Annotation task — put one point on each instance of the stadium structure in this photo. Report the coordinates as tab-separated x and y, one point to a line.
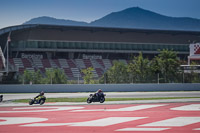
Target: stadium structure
72	48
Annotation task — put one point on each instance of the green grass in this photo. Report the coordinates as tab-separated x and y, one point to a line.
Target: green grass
107	99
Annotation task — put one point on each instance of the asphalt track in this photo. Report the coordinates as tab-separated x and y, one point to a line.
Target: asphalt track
145	116
103	118
108	95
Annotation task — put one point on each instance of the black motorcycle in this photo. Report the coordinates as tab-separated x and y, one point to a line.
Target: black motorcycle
95	98
39	100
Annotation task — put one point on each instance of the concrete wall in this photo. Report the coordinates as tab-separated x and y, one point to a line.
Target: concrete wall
93	87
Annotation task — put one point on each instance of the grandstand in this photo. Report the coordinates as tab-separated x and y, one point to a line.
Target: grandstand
73	48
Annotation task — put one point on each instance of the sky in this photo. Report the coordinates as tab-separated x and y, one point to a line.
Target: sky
16	12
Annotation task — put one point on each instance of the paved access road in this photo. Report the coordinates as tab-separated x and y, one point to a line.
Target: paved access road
108	95
123	118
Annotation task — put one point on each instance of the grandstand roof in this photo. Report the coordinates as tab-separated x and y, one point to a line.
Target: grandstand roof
28	26
98	34
105	38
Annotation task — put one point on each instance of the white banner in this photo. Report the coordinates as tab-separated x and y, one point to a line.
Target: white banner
195	49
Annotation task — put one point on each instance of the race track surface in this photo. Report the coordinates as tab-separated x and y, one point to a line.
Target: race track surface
122	118
108	95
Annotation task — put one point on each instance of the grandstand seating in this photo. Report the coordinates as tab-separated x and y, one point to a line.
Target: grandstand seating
99	71
87	63
46	63
71	63
100	62
30	69
71	67
76	72
63	63
68	72
37	63
54	63
80	64
18	62
107	63
26	63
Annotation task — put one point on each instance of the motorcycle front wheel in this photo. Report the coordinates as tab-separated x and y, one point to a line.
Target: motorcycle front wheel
102	100
42	102
88	100
31	102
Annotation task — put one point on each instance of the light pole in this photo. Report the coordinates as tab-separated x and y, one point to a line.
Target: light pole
23	79
78	78
51	78
8	40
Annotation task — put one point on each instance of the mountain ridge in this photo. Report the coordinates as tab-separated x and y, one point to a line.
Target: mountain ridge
51	20
134	17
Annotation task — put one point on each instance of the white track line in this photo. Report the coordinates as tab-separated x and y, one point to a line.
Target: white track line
191	107
132	108
93	123
175	122
39	109
20	120
142	129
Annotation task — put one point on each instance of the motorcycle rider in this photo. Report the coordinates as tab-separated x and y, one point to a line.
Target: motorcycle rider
41	94
99	93
98	96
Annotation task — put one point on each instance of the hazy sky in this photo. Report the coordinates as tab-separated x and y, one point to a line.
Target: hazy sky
15	12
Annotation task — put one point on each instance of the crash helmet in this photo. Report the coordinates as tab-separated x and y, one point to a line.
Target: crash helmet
99	90
42	93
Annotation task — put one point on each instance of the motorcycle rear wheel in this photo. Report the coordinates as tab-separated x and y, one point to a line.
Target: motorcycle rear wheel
42	102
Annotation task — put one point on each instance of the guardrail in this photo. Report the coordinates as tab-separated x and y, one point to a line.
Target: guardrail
64	88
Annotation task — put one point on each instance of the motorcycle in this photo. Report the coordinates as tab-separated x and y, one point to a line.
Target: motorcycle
39	100
1	98
94	98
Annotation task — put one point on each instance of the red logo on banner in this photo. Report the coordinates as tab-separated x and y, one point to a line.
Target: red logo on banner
196	49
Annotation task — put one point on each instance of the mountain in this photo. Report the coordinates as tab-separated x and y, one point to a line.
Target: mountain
144	19
54	21
134	17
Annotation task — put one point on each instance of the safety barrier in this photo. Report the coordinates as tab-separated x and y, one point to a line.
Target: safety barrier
62	88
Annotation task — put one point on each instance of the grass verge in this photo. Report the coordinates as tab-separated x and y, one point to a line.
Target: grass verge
107	99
